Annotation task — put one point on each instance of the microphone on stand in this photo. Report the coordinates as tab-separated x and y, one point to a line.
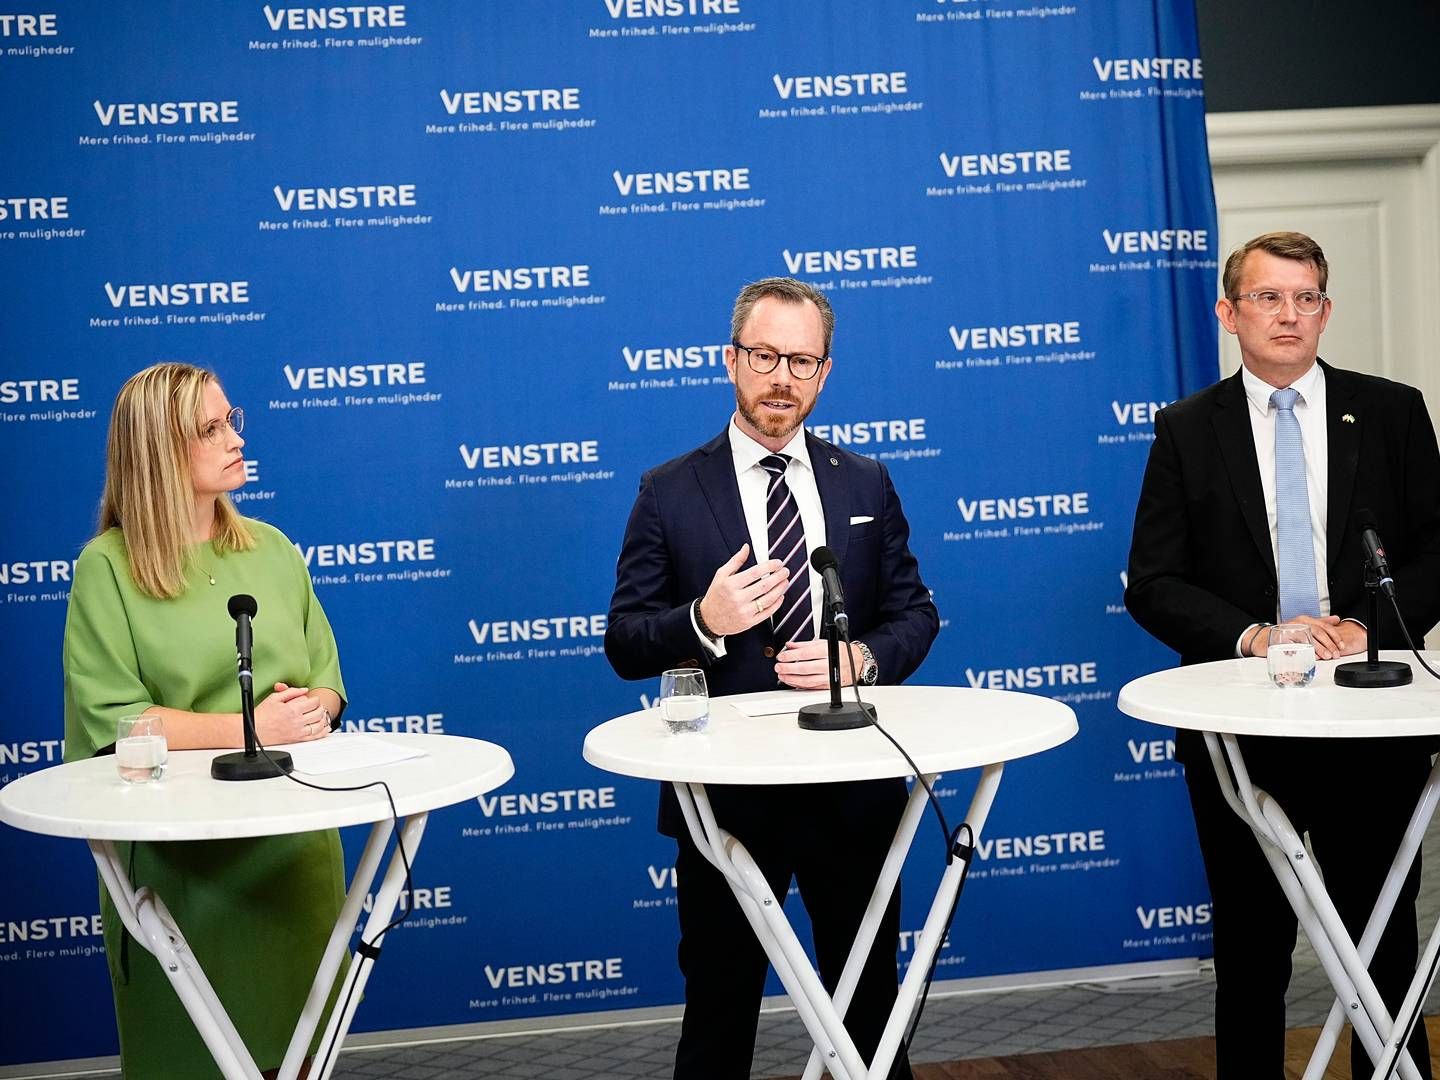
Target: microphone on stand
836	715
1372	671
247	764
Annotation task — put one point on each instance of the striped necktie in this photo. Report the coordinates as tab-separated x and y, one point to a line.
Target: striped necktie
793	621
1295	544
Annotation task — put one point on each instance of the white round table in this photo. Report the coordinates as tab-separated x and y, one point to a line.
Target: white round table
87	800
943	728
1232	698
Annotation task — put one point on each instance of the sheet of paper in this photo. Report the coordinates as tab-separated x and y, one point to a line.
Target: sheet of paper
787	701
344	751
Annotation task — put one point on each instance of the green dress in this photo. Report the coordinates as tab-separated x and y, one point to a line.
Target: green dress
257	913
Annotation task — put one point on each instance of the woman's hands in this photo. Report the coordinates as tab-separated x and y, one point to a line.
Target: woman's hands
289	715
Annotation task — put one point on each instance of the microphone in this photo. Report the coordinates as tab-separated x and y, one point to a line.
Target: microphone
1372	671
824	563
242	608
247	764
836	715
1375	551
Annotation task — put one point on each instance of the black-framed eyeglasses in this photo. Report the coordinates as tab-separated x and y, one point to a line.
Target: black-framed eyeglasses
234	420
1270	301
802	366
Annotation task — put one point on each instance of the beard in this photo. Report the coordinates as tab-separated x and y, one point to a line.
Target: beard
771	425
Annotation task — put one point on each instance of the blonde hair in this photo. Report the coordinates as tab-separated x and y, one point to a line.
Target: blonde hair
1283	245
148	491
786	290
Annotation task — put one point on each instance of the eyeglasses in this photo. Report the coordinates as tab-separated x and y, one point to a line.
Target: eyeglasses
764	361
1269	301
211	431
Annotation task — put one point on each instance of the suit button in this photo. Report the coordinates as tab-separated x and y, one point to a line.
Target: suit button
1269	590
768	651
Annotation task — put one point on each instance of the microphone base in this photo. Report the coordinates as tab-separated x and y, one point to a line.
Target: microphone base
836	717
1366	674
238	766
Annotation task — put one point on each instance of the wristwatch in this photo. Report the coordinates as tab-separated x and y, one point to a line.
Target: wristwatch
869	670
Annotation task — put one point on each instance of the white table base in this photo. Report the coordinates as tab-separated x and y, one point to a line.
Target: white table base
823	1016
150	923
1357	999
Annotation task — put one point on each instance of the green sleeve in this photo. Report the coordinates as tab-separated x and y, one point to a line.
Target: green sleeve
102	674
319	638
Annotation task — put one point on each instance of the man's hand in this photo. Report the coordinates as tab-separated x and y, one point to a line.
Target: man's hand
805	665
1333	636
739	599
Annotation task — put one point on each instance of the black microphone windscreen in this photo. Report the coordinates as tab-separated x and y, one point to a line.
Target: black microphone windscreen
242	604
1365	519
822	559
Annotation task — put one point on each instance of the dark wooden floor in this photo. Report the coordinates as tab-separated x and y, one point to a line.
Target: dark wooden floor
1178	1059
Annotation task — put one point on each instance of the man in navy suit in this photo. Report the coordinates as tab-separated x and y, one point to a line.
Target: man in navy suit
698	584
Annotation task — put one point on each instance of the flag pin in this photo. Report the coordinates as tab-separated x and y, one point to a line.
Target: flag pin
1349	418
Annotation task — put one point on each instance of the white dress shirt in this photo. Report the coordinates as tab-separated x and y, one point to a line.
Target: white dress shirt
1311	416
754	481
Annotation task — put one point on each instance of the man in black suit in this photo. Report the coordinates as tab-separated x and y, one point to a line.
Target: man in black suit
1247	517
714	572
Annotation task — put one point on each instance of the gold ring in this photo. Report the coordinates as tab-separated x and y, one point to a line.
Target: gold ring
759	607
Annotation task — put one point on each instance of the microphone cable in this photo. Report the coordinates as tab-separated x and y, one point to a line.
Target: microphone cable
1434	964
954	846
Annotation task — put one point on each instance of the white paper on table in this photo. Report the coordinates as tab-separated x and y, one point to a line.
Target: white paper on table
344	751
787	701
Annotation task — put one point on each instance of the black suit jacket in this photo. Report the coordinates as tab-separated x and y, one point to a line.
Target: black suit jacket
1201	565
687	521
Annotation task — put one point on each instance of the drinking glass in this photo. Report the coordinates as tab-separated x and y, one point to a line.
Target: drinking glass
1291	655
140	748
684	701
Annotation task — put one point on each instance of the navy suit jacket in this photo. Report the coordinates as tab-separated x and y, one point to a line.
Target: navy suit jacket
687	521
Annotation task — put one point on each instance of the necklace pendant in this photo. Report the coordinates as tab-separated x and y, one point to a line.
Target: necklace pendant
211	577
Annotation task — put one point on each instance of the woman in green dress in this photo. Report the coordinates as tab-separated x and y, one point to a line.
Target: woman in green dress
148	631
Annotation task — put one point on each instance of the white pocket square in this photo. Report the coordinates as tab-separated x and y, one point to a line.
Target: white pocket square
861	520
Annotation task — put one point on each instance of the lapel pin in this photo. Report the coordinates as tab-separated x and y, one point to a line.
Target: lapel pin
835	462
1349	418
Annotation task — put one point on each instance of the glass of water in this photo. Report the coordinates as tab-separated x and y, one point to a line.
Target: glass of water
1291	655
684	701
140	748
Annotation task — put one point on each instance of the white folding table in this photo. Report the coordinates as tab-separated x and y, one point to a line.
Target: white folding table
943	728
87	800
1230	698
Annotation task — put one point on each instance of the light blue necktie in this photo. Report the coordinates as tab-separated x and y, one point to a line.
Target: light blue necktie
1298	592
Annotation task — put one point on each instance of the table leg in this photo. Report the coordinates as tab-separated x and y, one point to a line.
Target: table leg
934	929
1305	891
348	1000
153	928
336	949
875	911
763	911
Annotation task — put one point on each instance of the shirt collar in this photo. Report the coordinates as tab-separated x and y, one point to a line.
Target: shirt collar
1258	391
748	452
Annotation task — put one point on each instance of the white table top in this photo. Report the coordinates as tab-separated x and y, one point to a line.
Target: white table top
1237	697
88	799
943	728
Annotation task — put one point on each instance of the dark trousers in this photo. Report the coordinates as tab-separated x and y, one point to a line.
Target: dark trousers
833	848
1353	798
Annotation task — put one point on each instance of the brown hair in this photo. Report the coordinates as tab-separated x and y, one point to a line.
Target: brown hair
790	291
1284	245
148	493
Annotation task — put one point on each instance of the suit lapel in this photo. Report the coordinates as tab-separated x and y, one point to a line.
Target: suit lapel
834	487
714	471
1343	420
1237	447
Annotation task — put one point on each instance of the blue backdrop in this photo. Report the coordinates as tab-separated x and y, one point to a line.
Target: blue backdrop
469	269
